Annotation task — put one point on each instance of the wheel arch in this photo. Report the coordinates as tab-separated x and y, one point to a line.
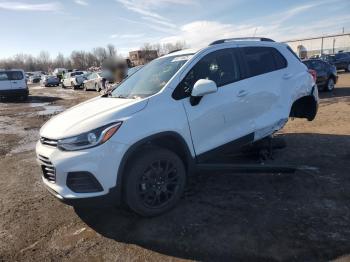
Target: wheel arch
169	140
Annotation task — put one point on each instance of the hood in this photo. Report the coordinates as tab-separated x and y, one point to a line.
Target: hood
90	115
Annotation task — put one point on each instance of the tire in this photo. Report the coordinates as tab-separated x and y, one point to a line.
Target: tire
24	98
97	88
155	182
348	69
63	86
329	85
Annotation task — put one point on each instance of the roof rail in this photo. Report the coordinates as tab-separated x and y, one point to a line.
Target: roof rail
221	41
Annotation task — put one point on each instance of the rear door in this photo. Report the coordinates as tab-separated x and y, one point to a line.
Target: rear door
5	83
90	83
266	77
17	79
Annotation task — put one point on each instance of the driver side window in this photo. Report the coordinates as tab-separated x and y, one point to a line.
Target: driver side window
219	66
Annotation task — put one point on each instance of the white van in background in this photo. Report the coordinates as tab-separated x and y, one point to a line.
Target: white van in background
13	84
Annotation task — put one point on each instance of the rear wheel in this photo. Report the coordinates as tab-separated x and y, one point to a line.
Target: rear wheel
155	182
348	69
330	85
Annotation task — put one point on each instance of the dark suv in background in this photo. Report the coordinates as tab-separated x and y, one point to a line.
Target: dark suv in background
326	73
340	60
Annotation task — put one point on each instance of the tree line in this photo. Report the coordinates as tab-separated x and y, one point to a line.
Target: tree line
78	59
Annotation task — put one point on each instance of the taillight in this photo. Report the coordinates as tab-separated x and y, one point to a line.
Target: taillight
313	73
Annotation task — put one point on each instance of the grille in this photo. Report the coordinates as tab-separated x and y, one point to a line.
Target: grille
48	169
48	141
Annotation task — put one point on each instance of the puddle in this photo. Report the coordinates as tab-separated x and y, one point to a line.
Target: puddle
51	110
37	87
39	104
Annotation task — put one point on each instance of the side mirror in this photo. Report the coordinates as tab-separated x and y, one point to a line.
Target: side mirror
201	88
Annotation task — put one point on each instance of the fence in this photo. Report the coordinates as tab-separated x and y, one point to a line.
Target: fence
329	44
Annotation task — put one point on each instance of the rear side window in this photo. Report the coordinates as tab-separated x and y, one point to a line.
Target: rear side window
262	60
293	53
11	75
219	66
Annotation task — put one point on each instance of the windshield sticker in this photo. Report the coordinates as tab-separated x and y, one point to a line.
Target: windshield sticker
181	58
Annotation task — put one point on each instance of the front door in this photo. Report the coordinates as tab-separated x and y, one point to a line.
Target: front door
219	118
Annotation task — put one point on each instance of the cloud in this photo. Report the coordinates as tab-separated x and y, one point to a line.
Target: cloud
21	6
81	2
148	9
198	34
126	36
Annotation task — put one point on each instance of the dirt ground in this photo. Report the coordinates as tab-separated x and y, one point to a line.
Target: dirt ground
303	216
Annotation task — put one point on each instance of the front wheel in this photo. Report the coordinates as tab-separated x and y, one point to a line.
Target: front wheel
155	182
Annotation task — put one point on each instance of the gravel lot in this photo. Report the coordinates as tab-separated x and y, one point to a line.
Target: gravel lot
303	216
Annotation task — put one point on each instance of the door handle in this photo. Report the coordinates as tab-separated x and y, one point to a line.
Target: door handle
242	93
287	76
14	82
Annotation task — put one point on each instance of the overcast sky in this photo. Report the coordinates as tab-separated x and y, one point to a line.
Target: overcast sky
29	26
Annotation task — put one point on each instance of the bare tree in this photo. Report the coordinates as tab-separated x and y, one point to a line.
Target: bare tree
111	50
100	53
164	48
44	60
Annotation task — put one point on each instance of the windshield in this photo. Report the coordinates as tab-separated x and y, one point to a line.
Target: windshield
151	78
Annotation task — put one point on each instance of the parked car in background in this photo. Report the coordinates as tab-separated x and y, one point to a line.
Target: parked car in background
69	79
79	79
94	82
13	84
139	144
340	60
98	80
326	73
59	72
49	81
35	78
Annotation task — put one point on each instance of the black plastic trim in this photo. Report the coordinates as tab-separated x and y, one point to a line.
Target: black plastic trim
83	182
228	147
14	92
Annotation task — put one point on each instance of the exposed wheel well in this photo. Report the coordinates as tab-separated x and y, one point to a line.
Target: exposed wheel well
304	107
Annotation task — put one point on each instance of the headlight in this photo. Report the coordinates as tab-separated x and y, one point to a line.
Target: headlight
89	139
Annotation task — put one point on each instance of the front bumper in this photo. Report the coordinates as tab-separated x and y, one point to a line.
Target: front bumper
102	162
14	92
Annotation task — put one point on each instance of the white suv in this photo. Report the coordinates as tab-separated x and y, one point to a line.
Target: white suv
139	143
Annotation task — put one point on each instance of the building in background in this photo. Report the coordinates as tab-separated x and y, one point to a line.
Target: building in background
329	44
141	57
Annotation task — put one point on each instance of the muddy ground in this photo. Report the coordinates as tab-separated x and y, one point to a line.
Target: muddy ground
304	216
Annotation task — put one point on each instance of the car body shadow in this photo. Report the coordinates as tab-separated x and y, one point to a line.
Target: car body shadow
337	92
251	217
